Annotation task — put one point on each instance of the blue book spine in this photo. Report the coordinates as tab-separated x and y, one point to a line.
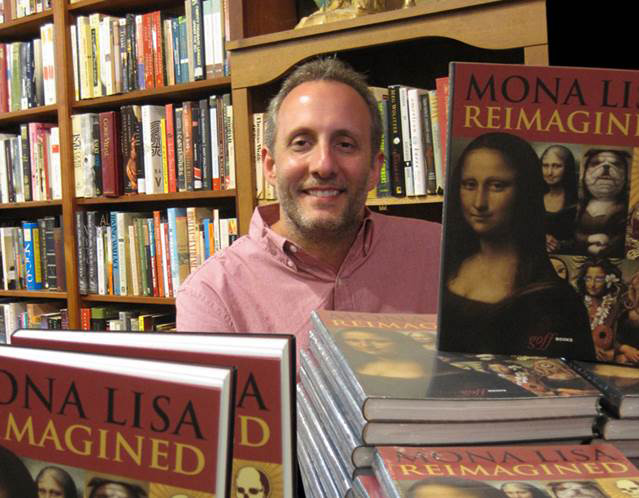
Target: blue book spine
175	34
207	239
152	265
171	214
114	253
32	282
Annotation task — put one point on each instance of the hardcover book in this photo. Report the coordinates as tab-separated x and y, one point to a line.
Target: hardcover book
618	384
561	471
114	423
264	436
388	364
541	216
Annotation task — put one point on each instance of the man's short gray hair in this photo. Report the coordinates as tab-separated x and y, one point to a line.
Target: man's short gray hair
324	69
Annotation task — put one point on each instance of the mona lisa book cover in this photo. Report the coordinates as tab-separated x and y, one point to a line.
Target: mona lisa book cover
541	213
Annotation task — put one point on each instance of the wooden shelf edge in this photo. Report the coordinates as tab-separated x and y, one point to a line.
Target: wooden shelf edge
14	26
173	196
127	299
30	204
162	93
399	201
48	111
34	294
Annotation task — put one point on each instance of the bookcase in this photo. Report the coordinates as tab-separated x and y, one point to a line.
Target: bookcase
410	46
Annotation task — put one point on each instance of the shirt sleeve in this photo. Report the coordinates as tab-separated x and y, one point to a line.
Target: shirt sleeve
196	312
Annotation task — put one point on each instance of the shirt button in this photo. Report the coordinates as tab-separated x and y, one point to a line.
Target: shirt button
293	248
290	264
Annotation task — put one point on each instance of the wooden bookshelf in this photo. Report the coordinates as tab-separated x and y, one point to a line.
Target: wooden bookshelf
495	30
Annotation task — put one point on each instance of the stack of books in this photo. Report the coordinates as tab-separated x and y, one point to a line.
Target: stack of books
371	380
619	420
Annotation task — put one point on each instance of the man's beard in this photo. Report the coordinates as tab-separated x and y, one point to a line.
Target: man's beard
323	230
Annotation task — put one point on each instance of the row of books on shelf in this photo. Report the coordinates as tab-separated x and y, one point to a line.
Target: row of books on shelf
27	72
147	253
167	414
33	255
14	9
142	51
30	167
31	314
354	398
153	149
414	125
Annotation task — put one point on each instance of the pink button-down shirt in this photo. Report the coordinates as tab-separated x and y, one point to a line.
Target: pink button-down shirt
265	283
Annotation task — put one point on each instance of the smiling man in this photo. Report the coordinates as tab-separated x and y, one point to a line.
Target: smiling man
320	247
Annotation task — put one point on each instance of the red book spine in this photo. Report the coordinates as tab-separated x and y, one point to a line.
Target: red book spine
170	146
159	262
110	156
4	89
85	318
158	48
187	132
147	43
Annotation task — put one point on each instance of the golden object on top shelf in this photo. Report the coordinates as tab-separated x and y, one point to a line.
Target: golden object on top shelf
340	10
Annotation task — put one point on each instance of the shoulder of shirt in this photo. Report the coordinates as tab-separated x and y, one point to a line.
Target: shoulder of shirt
404	223
217	266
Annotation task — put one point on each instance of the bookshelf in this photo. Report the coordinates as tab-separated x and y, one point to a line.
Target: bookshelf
494	30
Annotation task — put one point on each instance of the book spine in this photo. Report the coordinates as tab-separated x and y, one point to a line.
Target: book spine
179	150
398	184
42	260
115	254
110	154
384	186
431	185
415	113
437	148
25	159
31	255
158	261
92	262
187	144
50	252
159	68
147	47
152	139
199	71
205	141
215	152
170	147
406	141
81	241
196	136
165	159
149	241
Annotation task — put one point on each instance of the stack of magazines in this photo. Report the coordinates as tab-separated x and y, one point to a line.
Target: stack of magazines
371	380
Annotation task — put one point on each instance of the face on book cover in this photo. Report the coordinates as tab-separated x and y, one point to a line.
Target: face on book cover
322	164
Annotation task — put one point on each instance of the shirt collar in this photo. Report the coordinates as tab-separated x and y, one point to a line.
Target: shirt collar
265	216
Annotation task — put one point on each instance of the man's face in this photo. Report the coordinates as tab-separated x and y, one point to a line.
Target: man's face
628	487
595	281
577	490
322	162
605	175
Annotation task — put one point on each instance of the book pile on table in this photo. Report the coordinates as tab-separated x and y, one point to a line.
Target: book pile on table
497	471
618	423
371	380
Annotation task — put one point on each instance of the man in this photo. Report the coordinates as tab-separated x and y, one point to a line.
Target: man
320	248
576	489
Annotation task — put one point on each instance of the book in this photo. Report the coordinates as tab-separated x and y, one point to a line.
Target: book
388	364
164	426
152	116
265	396
111	154
536	300
563	470
618	384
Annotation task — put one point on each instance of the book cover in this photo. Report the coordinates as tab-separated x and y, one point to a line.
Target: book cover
388	364
558	471
265	396
619	385
152	116
32	255
539	251
117	421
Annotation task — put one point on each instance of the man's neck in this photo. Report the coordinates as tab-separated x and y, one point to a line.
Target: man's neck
331	250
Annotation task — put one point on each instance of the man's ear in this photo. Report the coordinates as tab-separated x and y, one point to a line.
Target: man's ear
268	166
378	162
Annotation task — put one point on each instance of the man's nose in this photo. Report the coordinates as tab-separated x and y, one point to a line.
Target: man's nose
323	162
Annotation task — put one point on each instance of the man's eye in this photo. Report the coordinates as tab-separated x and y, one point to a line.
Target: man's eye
469	184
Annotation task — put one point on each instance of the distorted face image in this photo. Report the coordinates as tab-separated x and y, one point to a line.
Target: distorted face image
368	342
487	192
560	268
605	175
628	487
553	370
595	280
48	487
516	490
577	490
552	167
444	491
112	490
